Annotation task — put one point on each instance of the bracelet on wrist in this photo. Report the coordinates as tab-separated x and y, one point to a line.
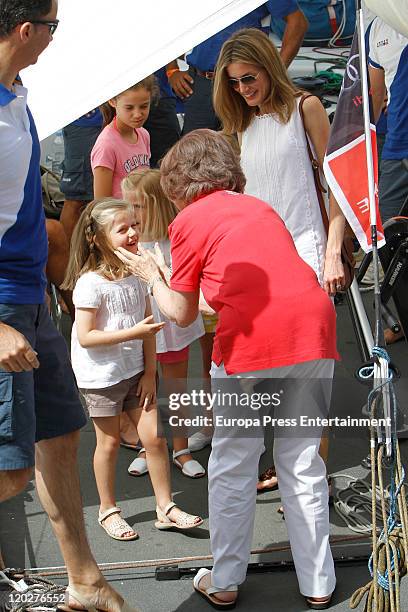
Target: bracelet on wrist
152	282
171	71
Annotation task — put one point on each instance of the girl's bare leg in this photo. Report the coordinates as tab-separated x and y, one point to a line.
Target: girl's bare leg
178	373
157	456
105	458
128	433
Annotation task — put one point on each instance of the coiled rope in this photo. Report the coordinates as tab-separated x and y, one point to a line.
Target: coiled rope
388	562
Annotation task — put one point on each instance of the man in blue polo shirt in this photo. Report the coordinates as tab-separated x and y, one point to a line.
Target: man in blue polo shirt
40	411
195	85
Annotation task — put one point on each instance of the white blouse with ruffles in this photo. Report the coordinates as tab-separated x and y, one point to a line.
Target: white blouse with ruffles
278	170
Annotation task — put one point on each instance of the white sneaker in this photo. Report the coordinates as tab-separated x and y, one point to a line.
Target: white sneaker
198	441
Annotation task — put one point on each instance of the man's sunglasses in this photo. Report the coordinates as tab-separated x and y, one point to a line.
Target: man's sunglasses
52	25
248	79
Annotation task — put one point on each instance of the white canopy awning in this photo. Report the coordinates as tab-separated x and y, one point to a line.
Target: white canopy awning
102	47
393	12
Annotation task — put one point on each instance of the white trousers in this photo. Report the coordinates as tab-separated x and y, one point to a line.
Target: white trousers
301	472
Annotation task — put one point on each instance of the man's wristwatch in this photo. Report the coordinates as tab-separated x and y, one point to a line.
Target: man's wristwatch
151	283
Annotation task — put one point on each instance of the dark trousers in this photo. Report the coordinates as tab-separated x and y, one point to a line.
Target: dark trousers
199	111
163	127
393	187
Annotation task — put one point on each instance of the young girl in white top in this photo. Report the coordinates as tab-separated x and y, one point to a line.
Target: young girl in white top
114	358
155	213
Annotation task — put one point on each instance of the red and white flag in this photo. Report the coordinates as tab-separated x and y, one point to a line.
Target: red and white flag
345	162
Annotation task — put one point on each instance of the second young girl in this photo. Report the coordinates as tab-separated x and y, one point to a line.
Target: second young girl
114	358
124	144
155	213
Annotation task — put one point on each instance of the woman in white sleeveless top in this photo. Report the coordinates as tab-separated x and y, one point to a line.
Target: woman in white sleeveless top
255	99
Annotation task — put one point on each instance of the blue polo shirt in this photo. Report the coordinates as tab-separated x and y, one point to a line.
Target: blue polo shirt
92	119
23	237
204	56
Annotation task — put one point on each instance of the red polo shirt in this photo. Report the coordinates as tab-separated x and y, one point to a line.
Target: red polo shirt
272	311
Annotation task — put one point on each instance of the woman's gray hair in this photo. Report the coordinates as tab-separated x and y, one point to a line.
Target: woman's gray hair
201	162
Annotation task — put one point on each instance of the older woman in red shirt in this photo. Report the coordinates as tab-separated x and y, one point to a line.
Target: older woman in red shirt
275	321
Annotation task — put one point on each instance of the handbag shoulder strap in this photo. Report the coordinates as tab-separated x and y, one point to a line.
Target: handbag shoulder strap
315	168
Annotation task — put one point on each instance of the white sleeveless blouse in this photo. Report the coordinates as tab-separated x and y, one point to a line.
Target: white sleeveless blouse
278	170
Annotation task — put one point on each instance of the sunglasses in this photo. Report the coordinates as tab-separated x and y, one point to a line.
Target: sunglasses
52	25
248	79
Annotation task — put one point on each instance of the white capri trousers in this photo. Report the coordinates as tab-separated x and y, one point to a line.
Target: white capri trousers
301	472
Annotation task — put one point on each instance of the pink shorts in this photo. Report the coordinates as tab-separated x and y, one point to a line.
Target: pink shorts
173	356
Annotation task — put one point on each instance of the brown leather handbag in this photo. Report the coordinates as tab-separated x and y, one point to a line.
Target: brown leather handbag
347	258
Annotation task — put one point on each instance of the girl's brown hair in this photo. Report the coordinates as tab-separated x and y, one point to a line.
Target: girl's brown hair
251	46
91	250
160	212
149	83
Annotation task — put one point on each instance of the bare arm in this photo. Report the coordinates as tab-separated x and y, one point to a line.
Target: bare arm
149	346
179	306
378	90
180	80
318	128
103	179
89	336
295	30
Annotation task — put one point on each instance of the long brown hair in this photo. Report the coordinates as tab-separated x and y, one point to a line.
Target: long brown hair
149	83
91	250
160	212
251	46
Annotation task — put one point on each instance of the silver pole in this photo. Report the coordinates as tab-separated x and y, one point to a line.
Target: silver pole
362	316
380	368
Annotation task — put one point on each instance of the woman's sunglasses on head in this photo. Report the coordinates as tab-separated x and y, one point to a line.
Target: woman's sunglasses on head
248	79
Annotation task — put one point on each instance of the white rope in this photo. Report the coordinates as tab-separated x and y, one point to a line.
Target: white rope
353	503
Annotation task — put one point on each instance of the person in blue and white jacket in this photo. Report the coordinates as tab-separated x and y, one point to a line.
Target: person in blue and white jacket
388	68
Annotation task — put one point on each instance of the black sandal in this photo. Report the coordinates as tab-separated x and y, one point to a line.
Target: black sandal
319	605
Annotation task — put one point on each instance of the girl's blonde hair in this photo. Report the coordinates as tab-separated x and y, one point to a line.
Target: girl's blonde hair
251	46
149	83
160	212
91	250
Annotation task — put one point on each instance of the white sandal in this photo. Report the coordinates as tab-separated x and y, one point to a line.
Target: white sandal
198	441
116	528
210	593
183	520
138	467
87	605
190	468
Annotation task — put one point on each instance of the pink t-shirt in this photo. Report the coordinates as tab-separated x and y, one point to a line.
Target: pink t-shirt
272	310
112	151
